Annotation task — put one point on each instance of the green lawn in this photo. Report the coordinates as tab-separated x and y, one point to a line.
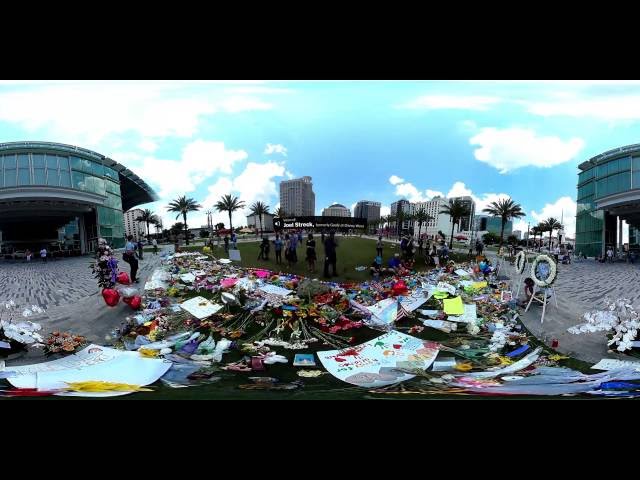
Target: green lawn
352	252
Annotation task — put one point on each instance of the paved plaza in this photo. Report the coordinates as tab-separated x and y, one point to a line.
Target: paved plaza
68	292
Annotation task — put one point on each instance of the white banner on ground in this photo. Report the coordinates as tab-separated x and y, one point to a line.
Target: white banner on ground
376	363
445	287
94	361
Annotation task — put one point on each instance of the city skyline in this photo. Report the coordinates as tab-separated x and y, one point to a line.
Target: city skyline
381	141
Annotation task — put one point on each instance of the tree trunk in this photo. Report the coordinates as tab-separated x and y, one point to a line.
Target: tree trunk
502	231
230	224
419	229
260	218
186	228
147	229
453	225
550	233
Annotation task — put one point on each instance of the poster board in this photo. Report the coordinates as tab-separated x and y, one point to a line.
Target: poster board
200	307
375	363
234	255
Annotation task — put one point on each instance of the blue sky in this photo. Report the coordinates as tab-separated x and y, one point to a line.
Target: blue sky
374	140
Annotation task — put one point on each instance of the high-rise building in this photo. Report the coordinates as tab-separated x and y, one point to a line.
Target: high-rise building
297	197
467	221
485	223
406	207
439	221
336	210
131	227
367	209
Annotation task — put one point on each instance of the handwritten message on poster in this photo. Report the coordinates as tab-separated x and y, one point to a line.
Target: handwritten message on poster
380	361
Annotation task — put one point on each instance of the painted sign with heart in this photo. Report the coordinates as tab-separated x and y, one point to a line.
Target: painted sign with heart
382	361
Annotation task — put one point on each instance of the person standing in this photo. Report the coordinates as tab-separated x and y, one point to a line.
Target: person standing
379	247
129	256
610	255
155	246
293	245
234	240
330	255
277	243
261	253
140	249
420	246
226	244
43	254
311	253
287	249
27	255
267	247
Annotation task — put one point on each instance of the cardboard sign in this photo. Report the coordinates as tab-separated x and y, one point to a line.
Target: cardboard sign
445	287
200	307
234	255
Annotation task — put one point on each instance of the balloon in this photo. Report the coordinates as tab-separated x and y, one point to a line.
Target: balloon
123	278
399	288
136	301
111	296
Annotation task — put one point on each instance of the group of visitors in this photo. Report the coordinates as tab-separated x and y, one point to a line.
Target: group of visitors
290	245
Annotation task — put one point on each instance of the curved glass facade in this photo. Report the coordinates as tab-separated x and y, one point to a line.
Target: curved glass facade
611	173
24	166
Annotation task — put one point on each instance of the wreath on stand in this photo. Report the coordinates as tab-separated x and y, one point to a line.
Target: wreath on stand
521	261
544	271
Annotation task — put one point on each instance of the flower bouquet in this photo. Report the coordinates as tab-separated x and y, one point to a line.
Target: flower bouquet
63	342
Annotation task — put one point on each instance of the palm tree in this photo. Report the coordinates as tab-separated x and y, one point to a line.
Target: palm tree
229	203
456	209
390	219
184	205
506	209
421	217
147	216
280	213
534	231
551	224
259	209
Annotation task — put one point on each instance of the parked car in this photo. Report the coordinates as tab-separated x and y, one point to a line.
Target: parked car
19	254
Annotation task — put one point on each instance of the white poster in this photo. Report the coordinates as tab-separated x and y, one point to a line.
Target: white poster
91	363
445	287
200	307
383	313
376	363
275	290
612	364
132	369
234	255
469	315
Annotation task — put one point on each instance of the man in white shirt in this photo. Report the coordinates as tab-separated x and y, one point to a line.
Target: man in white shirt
154	242
43	254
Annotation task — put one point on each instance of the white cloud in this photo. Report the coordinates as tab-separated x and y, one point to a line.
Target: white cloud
275	148
200	160
433	193
255	183
148	145
87	112
522	226
564	206
385	210
606	107
437	102
289	175
459	189
241	104
512	148
395	180
410	192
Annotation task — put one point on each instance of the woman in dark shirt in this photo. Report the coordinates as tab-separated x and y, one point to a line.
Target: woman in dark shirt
311	253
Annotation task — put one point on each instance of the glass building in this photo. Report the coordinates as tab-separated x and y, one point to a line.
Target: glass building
64	197
608	193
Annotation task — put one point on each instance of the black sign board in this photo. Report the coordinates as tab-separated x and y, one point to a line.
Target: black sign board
328	223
